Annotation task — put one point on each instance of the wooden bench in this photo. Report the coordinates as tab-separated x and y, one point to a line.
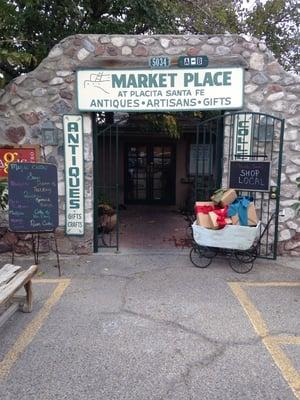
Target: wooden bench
12	278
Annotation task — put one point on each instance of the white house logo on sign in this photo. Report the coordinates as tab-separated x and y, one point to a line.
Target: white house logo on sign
73	136
163	90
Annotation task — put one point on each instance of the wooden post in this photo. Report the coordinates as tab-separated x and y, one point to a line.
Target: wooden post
27	308
57	254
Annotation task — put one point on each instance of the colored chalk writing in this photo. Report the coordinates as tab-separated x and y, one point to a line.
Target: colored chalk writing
33	197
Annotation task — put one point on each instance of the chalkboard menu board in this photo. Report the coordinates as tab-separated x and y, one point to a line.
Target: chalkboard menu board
32	197
250	175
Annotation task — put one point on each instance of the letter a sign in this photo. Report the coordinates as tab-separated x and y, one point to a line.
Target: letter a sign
73	136
72	126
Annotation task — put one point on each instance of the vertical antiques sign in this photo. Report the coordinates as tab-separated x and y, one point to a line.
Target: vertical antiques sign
73	138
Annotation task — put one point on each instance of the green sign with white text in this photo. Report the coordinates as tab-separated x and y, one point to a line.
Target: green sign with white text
159	62
195	62
73	138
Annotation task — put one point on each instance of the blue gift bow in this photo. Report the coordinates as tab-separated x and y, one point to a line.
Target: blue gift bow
240	207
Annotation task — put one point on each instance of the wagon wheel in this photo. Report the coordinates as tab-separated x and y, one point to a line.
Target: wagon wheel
242	261
209	252
206	251
247	256
199	256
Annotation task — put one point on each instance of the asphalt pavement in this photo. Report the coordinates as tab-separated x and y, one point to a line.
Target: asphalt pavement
149	325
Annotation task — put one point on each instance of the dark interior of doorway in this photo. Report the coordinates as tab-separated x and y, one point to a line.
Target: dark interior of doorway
135	177
149	171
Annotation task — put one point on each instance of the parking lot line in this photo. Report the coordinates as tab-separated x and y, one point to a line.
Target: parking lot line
33	326
272	343
271	284
287	339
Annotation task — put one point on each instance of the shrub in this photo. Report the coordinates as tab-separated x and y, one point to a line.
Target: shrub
3	196
296	206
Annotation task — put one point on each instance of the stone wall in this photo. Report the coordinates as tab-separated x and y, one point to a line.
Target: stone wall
49	91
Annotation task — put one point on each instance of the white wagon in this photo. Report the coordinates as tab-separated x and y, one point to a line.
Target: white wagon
239	243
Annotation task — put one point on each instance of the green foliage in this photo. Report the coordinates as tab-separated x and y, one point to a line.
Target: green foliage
277	22
30	28
213	17
163	122
13	64
103	200
168	123
296	206
274	21
3	196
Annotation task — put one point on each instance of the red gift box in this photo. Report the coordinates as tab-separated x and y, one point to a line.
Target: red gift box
202	208
219	218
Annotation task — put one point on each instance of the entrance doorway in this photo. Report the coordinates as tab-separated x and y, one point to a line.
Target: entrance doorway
153	173
150	172
142	174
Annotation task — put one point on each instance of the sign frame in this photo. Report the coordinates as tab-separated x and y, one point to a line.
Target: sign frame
13	149
74	168
238	135
259	163
101	89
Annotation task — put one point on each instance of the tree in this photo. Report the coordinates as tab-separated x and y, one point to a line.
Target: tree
12	64
277	22
30	28
37	25
209	17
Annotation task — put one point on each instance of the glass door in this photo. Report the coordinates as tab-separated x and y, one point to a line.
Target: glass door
150	174
136	174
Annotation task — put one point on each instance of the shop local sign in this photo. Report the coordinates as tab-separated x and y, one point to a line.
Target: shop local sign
160	90
73	138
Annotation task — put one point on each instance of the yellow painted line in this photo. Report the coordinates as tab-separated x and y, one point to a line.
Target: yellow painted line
272	343
271	284
291	375
50	280
33	327
286	339
253	314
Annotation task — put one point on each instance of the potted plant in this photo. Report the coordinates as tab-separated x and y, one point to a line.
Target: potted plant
107	217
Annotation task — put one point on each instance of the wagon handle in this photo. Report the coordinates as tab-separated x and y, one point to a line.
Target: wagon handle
265	228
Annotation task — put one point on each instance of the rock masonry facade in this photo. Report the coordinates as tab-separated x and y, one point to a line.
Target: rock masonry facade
49	91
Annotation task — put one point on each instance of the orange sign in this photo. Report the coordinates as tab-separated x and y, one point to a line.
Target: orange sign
17	154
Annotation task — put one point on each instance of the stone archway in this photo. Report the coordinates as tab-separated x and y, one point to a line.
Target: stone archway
48	92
